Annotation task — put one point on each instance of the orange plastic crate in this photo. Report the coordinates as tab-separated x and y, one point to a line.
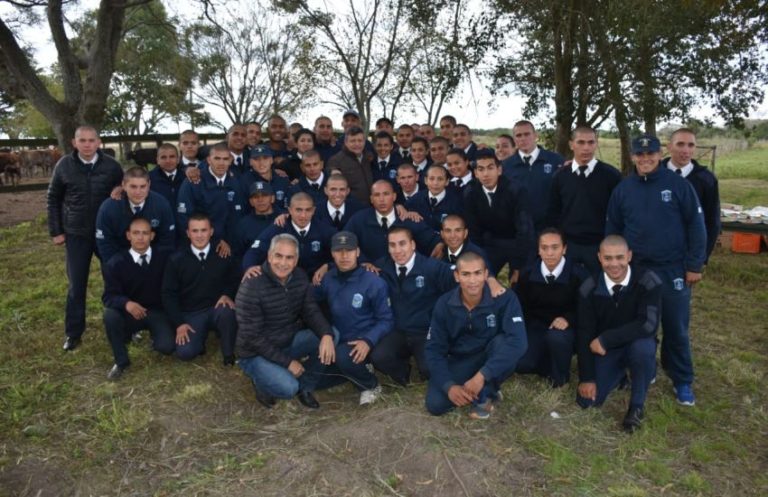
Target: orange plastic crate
746	243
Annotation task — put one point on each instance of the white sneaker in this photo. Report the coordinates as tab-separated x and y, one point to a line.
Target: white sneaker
369	396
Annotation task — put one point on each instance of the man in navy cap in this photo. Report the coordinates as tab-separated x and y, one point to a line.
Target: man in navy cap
360	312
261	169
262	200
659	215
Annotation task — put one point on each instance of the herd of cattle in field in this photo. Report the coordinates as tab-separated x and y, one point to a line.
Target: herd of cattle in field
26	163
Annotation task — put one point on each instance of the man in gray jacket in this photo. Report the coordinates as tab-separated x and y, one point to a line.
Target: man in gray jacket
270	344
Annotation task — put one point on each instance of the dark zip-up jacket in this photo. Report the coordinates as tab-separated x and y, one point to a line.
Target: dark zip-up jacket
270	313
76	192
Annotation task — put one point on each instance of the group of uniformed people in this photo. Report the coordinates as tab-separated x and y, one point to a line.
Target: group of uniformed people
319	260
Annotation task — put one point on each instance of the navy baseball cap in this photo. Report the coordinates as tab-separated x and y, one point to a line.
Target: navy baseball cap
261	151
261	188
351	112
645	144
344	240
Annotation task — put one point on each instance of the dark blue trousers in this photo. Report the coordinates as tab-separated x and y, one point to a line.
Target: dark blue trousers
639	357
120	326
462	369
344	369
676	358
392	355
549	353
586	255
79	252
221	320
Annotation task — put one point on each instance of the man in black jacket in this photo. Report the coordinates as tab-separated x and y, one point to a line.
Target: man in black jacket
270	341
132	302
618	316
199	288
81	181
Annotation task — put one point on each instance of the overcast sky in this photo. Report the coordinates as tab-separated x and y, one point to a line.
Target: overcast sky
474	105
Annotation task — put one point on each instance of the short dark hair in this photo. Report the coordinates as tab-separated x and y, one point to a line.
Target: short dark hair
354	131
454	217
383	135
552	231
141	219
524	122
583	128
422	140
464	126
384	120
168	146
440	138
681	130
305	131
199	216
311	153
507	137
449	118
407	165
405	126
400	229
136	172
440	167
459	152
466	257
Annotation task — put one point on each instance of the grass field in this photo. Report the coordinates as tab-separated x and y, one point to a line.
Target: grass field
170	428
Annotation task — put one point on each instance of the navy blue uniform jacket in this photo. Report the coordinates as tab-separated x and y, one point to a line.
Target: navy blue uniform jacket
537	180
660	217
224	205
373	238
115	217
414	298
452	203
351	206
359	305
249	228
314	246
456	332
280	186
160	183
705	184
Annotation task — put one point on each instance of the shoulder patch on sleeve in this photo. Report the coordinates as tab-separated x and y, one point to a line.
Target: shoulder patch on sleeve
587	287
649	280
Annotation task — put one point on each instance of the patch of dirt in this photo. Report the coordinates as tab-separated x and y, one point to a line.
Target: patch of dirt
19	207
398	452
34	477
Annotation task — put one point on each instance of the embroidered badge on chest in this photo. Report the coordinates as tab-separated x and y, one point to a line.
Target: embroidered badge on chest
490	320
392	174
357	301
154	223
666	196
316	246
547	168
182	208
679	283
419	282
231	196
279	195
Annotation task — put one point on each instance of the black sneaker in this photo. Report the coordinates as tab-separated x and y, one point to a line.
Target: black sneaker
71	343
634	419
266	400
308	400
116	372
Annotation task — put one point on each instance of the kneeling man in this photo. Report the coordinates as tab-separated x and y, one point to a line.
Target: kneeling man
270	341
618	318
474	342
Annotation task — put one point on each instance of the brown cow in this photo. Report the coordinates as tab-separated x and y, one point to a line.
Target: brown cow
9	167
43	160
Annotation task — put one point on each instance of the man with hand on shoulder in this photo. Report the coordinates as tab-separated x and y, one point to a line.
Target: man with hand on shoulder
270	341
473	344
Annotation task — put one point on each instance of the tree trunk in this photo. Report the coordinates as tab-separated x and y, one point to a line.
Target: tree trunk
563	31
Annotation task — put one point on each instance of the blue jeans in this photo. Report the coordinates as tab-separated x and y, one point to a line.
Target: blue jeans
275	380
639	357
676	358
344	369
120	326
221	320
549	353
462	369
